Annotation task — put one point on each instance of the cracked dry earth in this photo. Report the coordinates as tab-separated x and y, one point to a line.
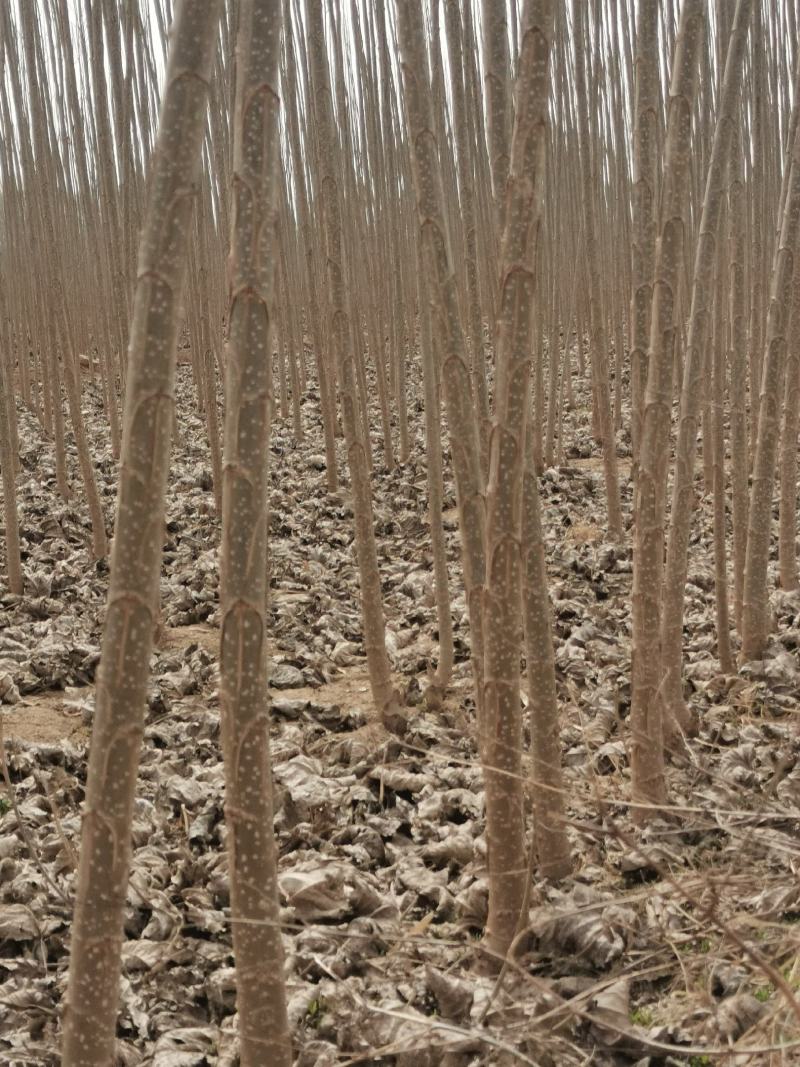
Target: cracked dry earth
678	945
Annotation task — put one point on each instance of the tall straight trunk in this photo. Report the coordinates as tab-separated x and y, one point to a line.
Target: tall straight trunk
675	711
539	330
619	360
375	346
454	16
283	378
297	386
549	830
61	333
645	139
647	747
707	423
757	135
208	363
440	679
313	319
567	390
718	479
755	608
100	67
599	349
553	392
43	378
502	754
401	356
374	626
255	906
13	561
19	354
327	389
7	354
787	542
132	607
448	334
498	110
738	364
355	344
291	335
72	375
57	407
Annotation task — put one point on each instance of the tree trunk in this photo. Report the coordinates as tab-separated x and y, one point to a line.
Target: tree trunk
738	364
440	679
755	613
374	626
132	609
449	337
718	479
255	906
13	562
645	137
502	754
549	830
647	744
787	544
598	342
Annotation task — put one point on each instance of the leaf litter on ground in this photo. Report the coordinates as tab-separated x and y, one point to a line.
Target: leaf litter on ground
382	848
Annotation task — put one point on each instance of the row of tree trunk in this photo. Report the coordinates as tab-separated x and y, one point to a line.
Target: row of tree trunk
374	189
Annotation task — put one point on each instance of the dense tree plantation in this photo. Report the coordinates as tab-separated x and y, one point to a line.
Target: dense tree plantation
399	589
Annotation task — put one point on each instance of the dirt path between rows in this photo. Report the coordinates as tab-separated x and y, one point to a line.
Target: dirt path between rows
56	714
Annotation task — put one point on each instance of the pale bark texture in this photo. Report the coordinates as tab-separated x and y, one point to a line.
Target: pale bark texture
207	340
502	754
553	853
327	388
434	239
647	747
466	176
598	344
496	81
466	166
132	606
13	562
255	907
440	678
373	621
645	143
755	607
109	201
787	541
719	352
674	707
738	372
60	334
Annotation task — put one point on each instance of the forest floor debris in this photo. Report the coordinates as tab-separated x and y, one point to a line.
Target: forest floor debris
679	944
